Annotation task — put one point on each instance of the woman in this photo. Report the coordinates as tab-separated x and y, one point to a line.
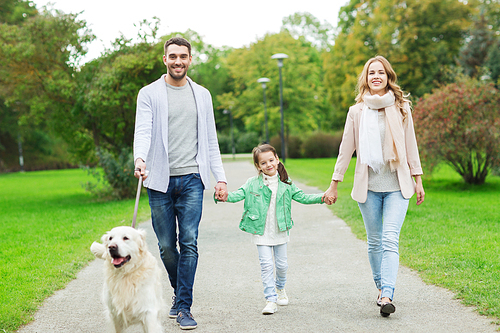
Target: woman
379	127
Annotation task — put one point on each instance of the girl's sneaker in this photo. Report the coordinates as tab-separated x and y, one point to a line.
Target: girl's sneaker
282	297
270	308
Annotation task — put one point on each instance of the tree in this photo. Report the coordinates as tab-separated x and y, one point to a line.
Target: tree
12	12
208	70
459	124
16	11
309	29
104	115
304	107
307	26
108	86
101	125
491	11
474	54
8	136
39	62
493	62
39	52
489	22
107	92
420	39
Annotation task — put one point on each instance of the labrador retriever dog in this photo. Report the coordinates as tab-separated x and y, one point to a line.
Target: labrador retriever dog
132	283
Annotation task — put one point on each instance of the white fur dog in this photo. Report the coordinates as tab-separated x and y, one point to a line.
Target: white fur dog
132	285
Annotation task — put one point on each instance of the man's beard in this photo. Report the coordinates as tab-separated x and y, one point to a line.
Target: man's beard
176	76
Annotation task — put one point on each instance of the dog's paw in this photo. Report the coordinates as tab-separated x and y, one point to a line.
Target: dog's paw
98	250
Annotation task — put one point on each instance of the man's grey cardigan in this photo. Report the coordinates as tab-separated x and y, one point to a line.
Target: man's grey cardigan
151	135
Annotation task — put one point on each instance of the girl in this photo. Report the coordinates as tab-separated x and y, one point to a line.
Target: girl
380	129
267	216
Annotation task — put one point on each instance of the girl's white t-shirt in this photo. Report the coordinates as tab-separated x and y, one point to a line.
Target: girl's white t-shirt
272	235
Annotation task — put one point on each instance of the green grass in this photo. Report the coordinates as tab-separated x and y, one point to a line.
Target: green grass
48	225
451	240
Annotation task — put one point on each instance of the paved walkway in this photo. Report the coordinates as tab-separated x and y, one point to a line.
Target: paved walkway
329	283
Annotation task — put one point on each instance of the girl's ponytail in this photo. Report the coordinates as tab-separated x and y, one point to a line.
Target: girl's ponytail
283	174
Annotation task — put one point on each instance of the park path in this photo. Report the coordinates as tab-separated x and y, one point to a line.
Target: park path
329	282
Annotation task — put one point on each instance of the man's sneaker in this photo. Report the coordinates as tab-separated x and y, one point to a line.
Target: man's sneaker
173	310
270	308
185	320
282	297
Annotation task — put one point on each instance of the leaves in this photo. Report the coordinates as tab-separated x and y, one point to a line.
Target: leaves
459	124
419	38
39	59
304	102
107	91
39	52
305	25
16	11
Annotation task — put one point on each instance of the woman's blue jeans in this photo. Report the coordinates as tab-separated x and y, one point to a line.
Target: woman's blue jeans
179	208
384	214
267	269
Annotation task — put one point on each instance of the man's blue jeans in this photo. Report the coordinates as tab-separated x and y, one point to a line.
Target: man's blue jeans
180	207
384	214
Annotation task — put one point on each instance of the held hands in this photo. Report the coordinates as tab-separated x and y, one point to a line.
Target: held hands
331	196
328	200
219	196
221	191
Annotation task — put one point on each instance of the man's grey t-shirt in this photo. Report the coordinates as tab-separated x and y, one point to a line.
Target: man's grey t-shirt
182	130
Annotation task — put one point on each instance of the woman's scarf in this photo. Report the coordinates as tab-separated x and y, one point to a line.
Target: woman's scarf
371	151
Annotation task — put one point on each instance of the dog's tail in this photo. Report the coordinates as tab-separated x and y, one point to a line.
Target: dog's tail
98	250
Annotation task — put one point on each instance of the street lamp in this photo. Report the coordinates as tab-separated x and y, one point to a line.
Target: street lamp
19	140
280	57
20	148
264	80
226	111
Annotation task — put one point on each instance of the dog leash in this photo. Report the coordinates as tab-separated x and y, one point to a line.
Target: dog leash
138	195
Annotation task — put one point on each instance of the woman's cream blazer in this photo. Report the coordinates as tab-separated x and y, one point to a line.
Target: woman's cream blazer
409	165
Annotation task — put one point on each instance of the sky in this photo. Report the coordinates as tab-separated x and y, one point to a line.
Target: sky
219	22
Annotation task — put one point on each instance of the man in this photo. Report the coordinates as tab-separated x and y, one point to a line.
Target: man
175	137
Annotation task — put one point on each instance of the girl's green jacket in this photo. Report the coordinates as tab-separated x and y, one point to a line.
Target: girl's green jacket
257	198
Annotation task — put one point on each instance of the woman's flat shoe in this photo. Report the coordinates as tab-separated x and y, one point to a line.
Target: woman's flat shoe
386	309
379	301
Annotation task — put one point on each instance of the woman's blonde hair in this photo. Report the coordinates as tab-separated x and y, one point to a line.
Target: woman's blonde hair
362	87
264	148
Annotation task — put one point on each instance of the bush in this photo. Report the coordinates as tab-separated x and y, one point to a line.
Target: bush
41	151
275	141
245	142
320	144
460	125
224	143
293	146
117	178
